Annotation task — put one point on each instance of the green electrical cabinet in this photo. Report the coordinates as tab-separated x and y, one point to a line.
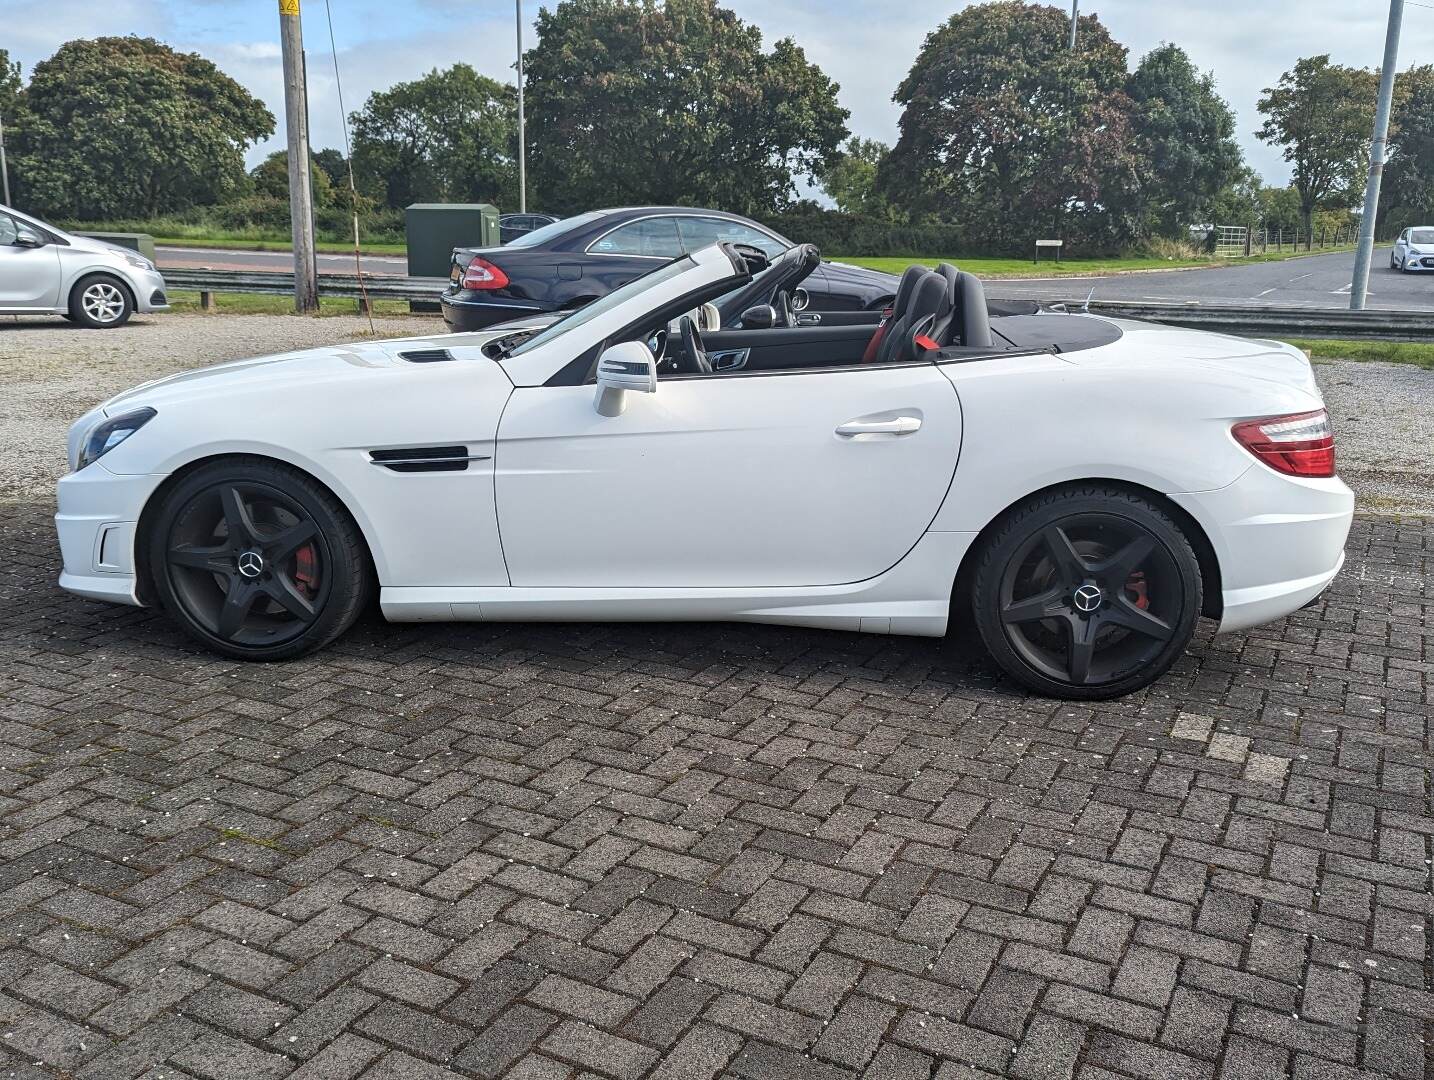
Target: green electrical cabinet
435	229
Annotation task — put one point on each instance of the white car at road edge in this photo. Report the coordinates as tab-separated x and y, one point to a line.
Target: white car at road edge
1084	488
46	271
1413	250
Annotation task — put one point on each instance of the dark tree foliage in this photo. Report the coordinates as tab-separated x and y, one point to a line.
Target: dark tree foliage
1407	195
451	136
1009	133
126	126
1322	114
1185	136
851	180
271	179
335	167
632	101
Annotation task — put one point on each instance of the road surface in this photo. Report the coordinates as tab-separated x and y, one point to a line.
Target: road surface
1312	281
220	259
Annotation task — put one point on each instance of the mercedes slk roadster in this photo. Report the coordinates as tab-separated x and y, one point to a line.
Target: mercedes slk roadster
1081	489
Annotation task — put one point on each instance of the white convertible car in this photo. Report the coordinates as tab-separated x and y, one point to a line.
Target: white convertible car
1084	488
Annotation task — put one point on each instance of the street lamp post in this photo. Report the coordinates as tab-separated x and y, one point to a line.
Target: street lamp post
1364	256
4	169
522	148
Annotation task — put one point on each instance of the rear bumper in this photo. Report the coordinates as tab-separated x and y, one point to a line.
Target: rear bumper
464	312
1279	541
96	521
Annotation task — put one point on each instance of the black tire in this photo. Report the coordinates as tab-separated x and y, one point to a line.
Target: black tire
101	302
305	577
1066	549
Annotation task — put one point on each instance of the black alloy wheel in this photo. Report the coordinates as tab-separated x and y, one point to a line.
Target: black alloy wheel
257	561
1087	594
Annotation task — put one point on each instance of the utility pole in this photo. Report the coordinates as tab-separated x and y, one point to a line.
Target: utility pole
522	149
1364	255
301	193
1075	12
4	169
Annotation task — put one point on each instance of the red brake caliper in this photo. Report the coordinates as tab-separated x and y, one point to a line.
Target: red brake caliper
306	569
1139	594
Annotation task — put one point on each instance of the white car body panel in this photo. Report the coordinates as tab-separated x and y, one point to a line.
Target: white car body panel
729	496
731	482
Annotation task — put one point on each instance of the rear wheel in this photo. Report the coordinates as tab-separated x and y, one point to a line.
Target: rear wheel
257	561
100	302
1087	593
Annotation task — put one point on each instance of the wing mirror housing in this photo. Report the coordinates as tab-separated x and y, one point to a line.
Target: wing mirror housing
801	299
760	317
30	239
628	365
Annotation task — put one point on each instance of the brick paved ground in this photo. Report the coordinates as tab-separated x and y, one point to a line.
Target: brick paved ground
686	851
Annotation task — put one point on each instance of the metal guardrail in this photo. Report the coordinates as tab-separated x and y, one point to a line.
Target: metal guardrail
1244	320
1263	322
343	286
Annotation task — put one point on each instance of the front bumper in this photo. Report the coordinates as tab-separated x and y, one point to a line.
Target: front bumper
96	521
465	310
1279	541
150	293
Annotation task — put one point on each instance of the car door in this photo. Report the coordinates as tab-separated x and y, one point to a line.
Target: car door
797	478
29	276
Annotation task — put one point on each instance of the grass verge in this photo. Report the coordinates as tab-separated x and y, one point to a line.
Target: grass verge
232	244
991	268
1389	352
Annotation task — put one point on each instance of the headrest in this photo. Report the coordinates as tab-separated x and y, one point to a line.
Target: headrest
905	288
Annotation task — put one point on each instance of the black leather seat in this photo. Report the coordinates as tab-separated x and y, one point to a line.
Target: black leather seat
904	289
930	303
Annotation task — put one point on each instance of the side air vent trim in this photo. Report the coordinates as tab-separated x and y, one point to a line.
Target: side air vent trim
427	356
413	459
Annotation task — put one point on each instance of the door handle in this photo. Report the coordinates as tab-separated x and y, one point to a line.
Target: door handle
808	318
902	425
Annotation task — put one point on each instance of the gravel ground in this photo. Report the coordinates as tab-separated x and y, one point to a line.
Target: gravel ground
52	372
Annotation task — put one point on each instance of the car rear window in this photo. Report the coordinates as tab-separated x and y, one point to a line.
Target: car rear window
539	237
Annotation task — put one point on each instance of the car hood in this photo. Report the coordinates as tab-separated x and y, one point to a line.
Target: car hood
310	369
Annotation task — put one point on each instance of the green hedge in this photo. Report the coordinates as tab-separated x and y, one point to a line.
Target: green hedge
837	233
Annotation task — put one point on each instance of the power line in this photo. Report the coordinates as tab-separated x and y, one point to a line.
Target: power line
349	161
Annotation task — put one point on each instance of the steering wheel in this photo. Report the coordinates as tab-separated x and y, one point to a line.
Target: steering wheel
783	304
694	358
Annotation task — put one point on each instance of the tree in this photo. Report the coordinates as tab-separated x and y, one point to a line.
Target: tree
1007	132
127	127
10	86
271	179
632	101
1185	132
450	136
1240	201
851	179
334	165
1407	197
1322	114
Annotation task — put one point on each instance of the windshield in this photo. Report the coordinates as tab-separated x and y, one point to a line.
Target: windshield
606	303
539	237
1421	236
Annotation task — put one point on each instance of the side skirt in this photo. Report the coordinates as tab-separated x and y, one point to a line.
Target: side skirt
913	597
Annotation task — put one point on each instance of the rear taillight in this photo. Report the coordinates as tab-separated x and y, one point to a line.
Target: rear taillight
1300	444
481	274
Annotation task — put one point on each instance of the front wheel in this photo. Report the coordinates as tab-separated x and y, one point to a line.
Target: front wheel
101	303
1086	593
257	561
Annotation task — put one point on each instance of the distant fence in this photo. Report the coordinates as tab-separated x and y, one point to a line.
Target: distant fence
1237	241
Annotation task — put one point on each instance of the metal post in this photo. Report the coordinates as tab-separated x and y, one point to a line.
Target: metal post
296	120
1364	256
522	149
1075	12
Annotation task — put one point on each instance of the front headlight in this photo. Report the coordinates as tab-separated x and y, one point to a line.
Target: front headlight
106	436
140	261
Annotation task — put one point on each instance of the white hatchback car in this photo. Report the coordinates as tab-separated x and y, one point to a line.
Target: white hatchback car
1083	489
44	271
1413	250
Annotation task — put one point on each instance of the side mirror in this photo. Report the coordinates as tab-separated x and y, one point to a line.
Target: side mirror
709	318
626	366
760	317
30	239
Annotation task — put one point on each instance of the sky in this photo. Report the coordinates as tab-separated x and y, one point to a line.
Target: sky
867	46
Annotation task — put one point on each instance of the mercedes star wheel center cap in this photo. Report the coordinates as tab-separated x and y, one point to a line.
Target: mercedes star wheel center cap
251	564
1087	598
